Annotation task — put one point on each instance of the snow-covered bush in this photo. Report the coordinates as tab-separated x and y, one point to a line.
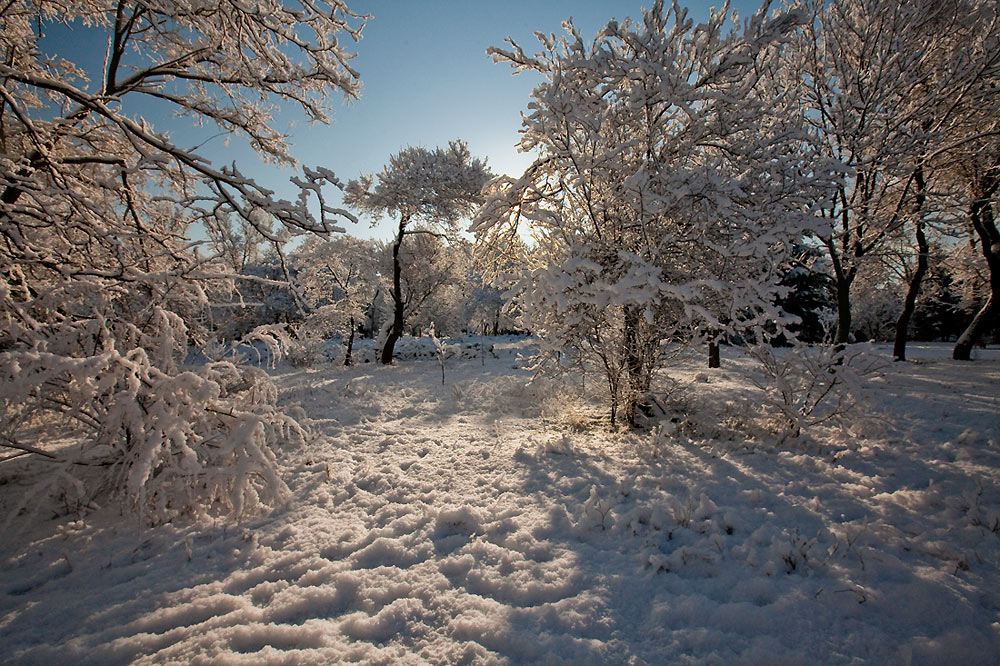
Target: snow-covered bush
280	341
807	386
306	352
102	288
169	440
439	351
596	511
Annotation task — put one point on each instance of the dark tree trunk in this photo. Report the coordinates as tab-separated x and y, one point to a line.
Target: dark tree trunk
634	364
843	276
843	310
979	325
842	284
396	331
913	290
350	345
370	327
713	354
983	221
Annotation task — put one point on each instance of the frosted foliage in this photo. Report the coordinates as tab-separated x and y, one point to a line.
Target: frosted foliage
431	186
169	441
101	289
429	191
668	190
431	281
904	95
338	278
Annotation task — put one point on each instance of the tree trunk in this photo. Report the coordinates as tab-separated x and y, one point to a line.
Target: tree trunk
843	275
371	326
983	221
910	302
396	331
634	364
350	345
913	290
713	354
980	324
843	310
842	281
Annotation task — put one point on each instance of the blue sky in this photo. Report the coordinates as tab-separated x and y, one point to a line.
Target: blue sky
426	79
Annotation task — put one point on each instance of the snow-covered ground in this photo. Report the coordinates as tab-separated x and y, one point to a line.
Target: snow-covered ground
491	521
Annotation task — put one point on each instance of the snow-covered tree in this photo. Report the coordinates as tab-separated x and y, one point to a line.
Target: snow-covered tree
887	85
434	283
498	255
981	174
937	314
338	278
971	273
957	118
673	178
101	286
429	191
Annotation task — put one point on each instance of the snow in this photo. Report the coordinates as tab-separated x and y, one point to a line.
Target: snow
492	521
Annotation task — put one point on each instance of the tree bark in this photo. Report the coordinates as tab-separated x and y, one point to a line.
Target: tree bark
843	310
913	290
350	345
843	276
713	354
396	331
842	283
980	323
983	221
634	363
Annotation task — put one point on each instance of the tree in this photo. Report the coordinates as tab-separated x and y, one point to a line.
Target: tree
958	102
937	312
499	253
339	278
809	296
101	286
982	176
673	179
889	87
434	282
429	191
861	81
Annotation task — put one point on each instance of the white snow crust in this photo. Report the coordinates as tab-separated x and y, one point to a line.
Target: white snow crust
491	521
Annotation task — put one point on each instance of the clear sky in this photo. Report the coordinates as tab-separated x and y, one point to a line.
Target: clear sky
426	79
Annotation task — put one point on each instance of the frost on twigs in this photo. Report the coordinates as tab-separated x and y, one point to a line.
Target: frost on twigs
596	511
805	386
439	351
667	192
168	441
103	286
290	342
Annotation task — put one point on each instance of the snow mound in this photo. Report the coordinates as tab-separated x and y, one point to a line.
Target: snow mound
458	520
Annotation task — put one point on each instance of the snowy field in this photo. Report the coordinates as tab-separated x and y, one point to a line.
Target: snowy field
488	521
